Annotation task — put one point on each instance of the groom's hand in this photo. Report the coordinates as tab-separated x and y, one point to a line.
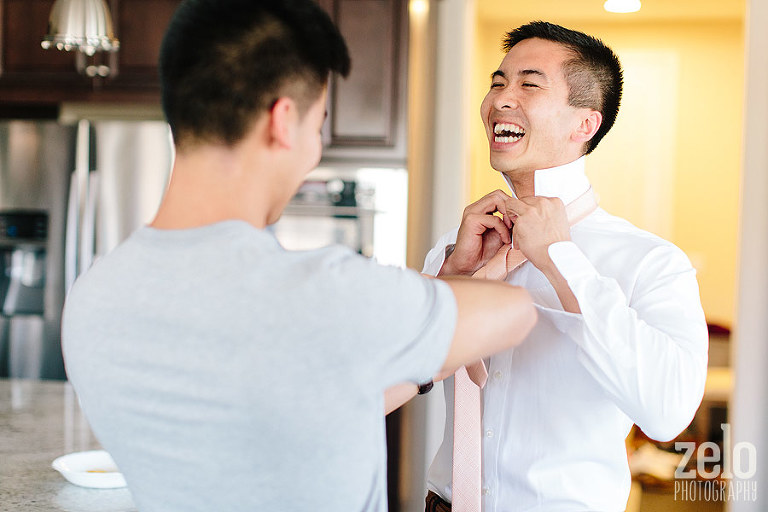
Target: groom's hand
539	222
480	236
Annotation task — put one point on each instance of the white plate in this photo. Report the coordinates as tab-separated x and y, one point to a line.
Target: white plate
93	468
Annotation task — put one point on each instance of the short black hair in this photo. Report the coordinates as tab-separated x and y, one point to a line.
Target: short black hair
224	62
594	74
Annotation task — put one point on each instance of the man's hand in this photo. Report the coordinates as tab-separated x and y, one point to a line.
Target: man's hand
480	236
539	222
498	267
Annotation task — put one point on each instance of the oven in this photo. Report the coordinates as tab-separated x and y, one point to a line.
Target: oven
362	208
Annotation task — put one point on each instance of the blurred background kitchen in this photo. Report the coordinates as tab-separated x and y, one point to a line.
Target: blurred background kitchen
85	155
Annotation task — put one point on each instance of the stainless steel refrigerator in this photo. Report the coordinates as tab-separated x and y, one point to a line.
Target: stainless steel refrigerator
69	193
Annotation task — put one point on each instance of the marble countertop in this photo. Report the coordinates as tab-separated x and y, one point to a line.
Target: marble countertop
39	421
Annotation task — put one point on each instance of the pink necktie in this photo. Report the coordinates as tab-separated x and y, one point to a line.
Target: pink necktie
468	382
467	423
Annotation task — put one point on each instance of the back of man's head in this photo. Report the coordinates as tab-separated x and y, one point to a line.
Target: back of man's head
594	73
223	63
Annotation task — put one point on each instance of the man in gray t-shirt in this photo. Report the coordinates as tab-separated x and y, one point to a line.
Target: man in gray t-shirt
246	371
221	371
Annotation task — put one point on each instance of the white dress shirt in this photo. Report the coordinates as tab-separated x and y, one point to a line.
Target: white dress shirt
557	409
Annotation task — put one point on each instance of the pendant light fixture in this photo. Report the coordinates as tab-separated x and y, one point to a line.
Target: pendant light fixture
82	25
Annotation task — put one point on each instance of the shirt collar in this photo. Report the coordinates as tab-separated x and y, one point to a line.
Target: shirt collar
567	181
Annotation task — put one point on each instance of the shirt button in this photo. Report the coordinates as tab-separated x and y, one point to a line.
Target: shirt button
497	375
489	433
486	491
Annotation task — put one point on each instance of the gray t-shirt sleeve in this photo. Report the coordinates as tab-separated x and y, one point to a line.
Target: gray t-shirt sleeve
398	324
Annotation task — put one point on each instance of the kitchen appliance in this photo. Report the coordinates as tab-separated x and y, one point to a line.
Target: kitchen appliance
364	208
69	193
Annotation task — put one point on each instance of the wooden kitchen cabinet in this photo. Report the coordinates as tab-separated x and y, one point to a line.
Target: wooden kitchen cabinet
367	110
31	75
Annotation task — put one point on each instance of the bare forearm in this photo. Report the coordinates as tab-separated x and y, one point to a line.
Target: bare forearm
396	396
492	316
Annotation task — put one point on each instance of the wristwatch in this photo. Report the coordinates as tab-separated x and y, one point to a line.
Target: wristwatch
426	387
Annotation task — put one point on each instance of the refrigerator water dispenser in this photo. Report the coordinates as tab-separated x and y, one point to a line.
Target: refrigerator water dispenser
23	237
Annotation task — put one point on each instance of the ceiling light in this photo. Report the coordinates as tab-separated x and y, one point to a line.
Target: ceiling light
622	6
83	25
419	7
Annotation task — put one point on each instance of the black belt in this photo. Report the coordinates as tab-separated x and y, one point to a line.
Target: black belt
436	504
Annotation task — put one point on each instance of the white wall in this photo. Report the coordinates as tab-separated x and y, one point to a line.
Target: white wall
749	410
448	168
455	36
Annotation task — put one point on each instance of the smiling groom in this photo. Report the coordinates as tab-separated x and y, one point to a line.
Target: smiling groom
621	337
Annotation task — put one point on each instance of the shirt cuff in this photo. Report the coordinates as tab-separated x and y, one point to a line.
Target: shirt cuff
436	256
571	262
563	321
